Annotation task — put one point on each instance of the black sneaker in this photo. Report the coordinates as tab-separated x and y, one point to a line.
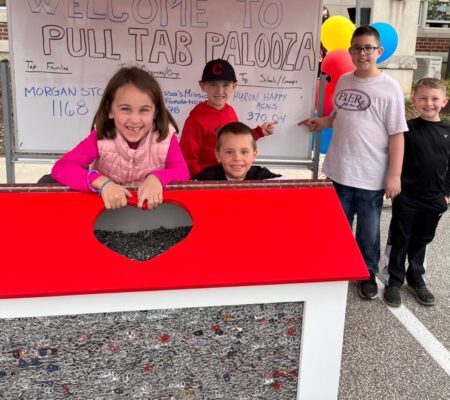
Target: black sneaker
422	295
368	289
392	296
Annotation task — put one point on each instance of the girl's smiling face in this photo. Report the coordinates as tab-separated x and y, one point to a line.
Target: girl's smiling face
133	112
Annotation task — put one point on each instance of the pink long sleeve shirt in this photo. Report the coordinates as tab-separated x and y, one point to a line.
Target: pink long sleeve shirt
73	171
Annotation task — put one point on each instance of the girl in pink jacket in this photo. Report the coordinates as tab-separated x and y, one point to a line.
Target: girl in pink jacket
133	141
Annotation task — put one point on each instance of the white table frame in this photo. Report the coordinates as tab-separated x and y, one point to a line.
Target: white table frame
322	328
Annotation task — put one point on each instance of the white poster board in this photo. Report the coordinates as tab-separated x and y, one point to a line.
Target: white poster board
65	51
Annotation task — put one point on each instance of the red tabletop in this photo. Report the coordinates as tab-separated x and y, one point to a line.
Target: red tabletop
239	237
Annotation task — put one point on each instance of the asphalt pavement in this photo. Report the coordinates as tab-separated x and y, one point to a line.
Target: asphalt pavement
401	353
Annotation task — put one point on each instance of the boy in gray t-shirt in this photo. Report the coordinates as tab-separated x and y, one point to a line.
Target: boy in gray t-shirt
364	160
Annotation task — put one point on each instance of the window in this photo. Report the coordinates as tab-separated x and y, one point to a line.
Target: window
435	13
438	11
3	17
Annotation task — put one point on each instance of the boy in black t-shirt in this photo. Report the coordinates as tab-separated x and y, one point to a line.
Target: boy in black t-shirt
236	152
424	196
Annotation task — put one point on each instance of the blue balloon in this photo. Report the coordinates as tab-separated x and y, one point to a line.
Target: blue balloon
388	39
325	139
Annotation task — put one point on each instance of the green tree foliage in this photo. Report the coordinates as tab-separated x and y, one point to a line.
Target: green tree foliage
438	10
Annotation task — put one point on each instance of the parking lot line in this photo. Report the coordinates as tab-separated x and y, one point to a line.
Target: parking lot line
425	338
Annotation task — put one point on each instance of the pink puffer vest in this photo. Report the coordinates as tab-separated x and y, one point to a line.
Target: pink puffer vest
130	166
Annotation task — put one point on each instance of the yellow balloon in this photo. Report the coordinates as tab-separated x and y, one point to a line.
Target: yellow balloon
336	33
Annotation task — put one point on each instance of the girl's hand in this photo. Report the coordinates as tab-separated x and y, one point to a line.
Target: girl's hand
151	190
268	128
114	196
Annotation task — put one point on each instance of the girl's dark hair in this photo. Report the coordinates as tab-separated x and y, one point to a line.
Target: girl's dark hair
143	81
325	17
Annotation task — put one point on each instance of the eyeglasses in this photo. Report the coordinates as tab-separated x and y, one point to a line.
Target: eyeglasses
368	50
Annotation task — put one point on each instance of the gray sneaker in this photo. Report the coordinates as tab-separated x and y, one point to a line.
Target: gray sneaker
368	289
392	296
422	295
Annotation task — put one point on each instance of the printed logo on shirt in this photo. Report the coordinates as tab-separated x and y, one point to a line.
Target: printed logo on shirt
352	100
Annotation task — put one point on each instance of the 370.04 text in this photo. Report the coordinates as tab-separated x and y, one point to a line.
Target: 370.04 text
262	117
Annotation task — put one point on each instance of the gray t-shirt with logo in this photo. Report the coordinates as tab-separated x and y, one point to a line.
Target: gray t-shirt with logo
367	111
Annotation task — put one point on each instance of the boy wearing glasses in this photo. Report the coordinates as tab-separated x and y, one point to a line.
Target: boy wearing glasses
199	136
364	159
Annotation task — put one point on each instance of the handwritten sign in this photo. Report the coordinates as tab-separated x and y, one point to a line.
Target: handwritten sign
65	51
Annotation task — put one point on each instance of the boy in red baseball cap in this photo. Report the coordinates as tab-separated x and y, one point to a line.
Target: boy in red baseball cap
199	136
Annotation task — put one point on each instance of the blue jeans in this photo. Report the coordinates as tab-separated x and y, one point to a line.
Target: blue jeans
366	205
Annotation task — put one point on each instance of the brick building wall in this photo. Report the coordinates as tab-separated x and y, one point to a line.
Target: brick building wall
3	31
432	45
434	42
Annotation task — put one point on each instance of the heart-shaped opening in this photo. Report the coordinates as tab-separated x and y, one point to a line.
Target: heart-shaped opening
141	234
